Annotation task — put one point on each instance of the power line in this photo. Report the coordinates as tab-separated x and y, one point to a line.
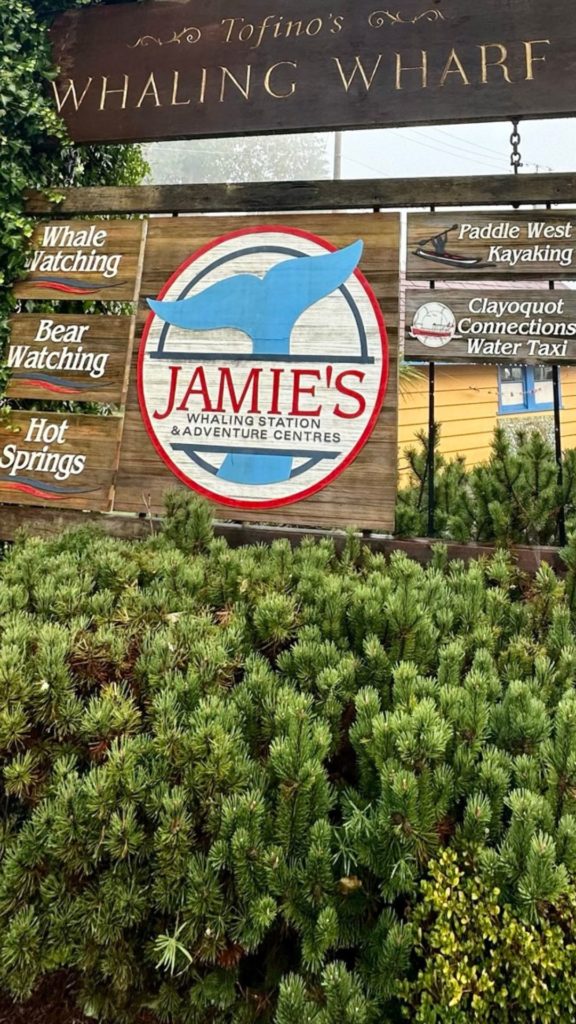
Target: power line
468	142
453	150
487	149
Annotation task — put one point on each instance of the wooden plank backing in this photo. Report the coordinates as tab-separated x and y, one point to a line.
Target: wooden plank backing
52	522
58	460
83	260
55	357
364	495
364	194
470	246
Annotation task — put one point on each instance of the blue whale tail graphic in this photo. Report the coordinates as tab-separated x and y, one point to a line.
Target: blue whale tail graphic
266	310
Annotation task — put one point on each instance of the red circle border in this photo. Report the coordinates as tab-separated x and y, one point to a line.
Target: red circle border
308	492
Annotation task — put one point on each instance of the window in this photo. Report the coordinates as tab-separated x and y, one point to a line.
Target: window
525	389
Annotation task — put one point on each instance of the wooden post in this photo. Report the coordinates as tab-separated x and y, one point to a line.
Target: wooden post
431	448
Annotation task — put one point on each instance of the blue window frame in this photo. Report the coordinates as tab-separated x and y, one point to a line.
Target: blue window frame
525	389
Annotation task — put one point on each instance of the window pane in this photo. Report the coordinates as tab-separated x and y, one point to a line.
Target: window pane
543	386
542	373
512	387
512	393
512	373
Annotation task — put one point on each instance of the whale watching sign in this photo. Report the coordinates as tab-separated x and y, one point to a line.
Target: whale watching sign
167	69
263	366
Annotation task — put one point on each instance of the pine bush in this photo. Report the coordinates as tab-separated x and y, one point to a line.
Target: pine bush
229	776
513	498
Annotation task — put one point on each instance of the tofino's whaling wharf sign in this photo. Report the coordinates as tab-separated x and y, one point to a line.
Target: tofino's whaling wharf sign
169	69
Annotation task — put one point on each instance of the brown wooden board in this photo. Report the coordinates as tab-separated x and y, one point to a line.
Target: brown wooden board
58	460
282	196
198	68
84	260
53	522
536	243
57	357
364	494
489	326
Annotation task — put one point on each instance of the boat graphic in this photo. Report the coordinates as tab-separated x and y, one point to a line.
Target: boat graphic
439	254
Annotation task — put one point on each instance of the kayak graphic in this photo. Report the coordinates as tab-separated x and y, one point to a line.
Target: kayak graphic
439	254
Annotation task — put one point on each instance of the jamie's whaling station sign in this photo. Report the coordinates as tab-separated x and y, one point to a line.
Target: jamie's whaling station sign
200	67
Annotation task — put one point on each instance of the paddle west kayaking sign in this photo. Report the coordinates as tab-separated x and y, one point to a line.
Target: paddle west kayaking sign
538	243
263	366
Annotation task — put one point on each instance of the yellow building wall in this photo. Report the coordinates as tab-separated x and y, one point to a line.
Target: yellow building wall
467	411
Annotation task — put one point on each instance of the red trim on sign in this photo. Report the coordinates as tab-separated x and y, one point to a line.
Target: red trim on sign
56	287
308	492
430	334
31	490
44	384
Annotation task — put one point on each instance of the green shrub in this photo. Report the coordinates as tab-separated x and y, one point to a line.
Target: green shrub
513	498
480	962
225	774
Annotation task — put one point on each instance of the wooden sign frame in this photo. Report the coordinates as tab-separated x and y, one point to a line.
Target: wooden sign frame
285	197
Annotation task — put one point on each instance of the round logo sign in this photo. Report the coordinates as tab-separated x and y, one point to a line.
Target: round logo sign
263	366
434	325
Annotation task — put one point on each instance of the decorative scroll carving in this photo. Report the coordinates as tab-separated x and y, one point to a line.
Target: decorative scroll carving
378	18
190	34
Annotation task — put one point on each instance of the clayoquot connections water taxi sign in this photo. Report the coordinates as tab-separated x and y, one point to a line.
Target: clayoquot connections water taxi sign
485	325
263	366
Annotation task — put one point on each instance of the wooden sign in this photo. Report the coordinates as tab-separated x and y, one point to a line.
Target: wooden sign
263	366
57	357
266	378
488	326
84	260
492	245
60	460
165	70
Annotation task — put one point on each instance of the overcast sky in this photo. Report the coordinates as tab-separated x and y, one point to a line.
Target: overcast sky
458	149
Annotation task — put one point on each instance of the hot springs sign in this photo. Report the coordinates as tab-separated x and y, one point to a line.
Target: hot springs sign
263	366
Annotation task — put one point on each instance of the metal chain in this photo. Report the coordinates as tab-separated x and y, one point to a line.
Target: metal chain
515	140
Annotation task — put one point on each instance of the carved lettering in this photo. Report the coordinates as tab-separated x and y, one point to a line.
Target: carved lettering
422	68
76	101
502	56
454	67
348	77
114	92
531	60
268	78
150	91
175	102
243	89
